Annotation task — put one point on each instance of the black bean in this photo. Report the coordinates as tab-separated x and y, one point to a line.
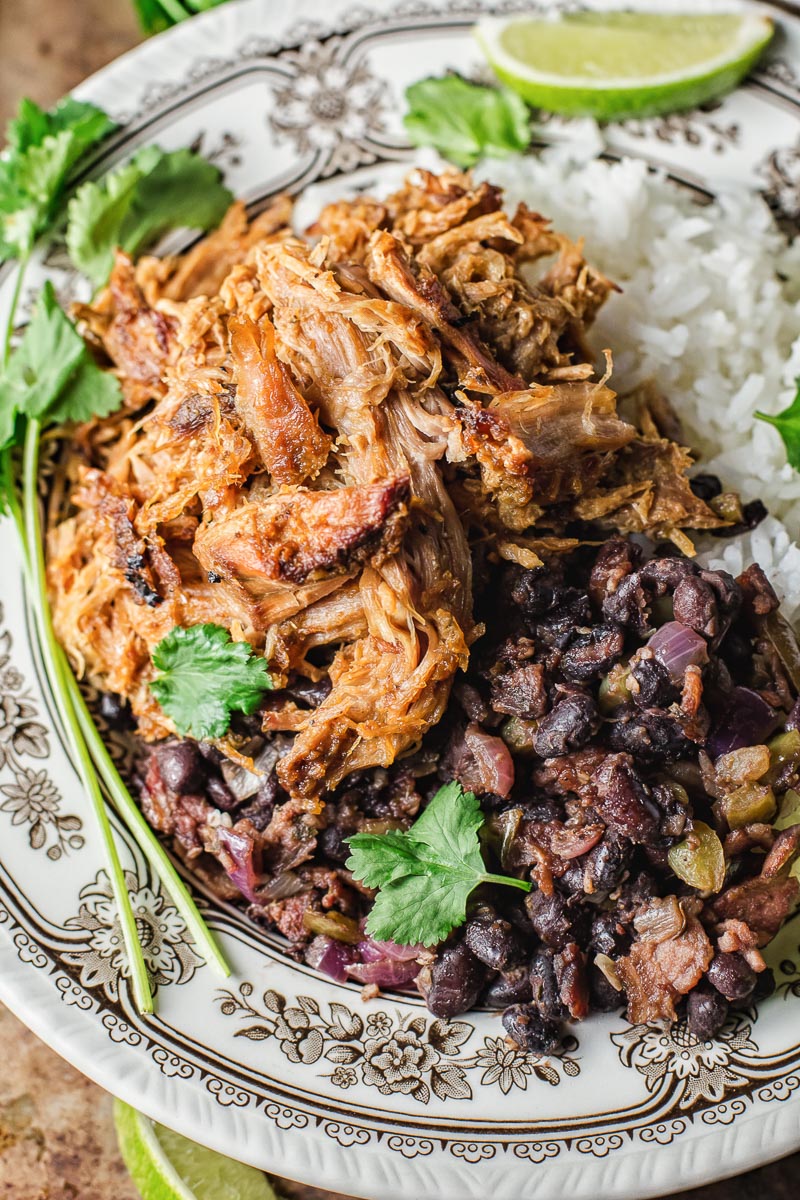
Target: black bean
531	1031
706	1011
592	654
765	985
332	842
654	687
623	800
550	919
604	996
571	610
544	986
181	766
615	559
705	487
115	710
457	979
608	936
568	726
632	895
493	940
732	976
220	794
534	592
510	987
695	605
752	515
604	867
309	691
652	736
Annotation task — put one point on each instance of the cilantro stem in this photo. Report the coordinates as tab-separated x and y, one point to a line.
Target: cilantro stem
151	847
54	660
522	884
174	10
15	295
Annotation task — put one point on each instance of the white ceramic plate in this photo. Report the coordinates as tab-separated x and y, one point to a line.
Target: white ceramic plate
280	1067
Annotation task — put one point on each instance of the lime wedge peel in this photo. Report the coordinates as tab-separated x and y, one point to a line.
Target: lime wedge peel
612	65
165	1166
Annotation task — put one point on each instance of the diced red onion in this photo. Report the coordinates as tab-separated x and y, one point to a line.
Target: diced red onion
237	855
567	842
677	647
488	765
330	957
747	721
371	951
386	972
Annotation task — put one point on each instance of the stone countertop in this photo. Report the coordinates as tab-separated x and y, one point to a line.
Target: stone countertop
56	1133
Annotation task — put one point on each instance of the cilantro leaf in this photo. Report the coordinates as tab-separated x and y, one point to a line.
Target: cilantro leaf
426	874
787	424
43	150
52	376
135	205
466	121
87	123
204	677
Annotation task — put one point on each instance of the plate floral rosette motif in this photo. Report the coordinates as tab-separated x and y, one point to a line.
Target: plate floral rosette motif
279	1066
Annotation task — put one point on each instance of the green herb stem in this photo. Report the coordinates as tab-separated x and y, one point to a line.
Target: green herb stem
174	10
151	847
522	884
55	666
15	297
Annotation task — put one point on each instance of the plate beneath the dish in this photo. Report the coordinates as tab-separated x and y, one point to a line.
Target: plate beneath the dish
278	1066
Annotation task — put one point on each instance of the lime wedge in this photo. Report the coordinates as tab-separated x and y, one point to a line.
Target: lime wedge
611	65
166	1166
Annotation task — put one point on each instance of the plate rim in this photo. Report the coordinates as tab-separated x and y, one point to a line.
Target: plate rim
781	1122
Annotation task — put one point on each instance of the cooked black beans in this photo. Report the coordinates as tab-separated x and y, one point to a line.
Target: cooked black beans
569	725
599	733
493	940
509	987
220	794
181	766
530	1031
457	979
544	986
706	1011
115	710
731	976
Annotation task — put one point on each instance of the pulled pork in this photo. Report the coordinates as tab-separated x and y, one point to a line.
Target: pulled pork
362	451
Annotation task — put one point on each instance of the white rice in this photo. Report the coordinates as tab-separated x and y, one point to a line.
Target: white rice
703	311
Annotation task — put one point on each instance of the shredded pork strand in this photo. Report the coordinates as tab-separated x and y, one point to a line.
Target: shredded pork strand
314	432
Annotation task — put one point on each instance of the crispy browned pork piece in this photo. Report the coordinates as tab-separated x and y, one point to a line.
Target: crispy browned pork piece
315	429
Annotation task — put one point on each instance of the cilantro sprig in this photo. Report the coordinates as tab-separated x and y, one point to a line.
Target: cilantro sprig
133	206
787	424
43	153
204	676
425	875
466	121
52	379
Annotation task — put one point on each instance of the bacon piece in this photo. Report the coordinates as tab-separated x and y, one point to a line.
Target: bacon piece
763	904
657	974
291	444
